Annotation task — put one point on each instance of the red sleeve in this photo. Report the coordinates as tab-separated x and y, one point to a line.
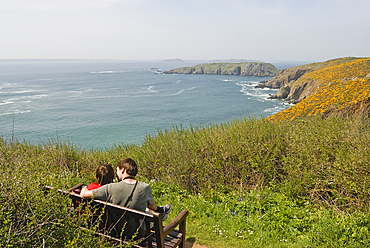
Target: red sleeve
93	186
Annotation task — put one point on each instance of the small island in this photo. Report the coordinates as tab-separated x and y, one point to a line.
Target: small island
173	60
257	69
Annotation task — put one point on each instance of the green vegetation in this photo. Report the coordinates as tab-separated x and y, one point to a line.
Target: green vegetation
249	183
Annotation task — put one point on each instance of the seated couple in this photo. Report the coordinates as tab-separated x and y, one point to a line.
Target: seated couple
128	192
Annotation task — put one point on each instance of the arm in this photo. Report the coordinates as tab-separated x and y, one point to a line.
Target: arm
86	194
153	206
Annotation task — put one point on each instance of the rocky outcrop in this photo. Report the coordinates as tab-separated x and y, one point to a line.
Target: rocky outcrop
283	81
257	69
286	80
284	77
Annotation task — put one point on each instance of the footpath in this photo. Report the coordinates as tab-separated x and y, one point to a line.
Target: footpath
193	245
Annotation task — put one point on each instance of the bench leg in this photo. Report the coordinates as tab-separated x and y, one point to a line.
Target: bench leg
182	228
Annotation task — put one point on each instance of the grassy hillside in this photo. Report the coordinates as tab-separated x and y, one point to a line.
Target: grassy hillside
249	182
333	88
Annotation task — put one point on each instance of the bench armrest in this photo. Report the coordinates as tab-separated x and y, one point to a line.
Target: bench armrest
78	186
173	224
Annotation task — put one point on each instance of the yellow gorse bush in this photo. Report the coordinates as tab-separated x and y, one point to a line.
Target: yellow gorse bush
336	87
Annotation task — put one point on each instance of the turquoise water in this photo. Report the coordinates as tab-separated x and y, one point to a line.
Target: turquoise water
95	104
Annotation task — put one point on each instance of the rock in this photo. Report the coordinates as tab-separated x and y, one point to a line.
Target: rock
286	76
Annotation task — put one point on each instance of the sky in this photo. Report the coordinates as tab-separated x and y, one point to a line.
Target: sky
265	30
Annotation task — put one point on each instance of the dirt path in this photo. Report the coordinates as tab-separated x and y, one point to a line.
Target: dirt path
193	245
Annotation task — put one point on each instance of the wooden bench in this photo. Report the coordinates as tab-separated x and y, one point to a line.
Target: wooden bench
149	231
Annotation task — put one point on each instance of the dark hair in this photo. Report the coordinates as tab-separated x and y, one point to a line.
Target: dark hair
129	165
104	174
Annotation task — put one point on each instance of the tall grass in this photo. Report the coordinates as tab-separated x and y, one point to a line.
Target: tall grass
321	161
325	159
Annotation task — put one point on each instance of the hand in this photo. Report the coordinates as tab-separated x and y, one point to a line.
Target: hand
85	193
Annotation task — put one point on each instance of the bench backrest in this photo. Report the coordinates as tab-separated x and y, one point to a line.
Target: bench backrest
120	224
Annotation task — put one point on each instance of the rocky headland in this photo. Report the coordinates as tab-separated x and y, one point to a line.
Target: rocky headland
293	87
283	81
257	69
338	87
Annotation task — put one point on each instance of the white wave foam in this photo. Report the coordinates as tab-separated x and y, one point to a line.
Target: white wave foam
16	112
23	91
5	102
274	110
264	95
247	83
38	96
107	72
9	84
153	83
46	79
150	89
254	93
183	90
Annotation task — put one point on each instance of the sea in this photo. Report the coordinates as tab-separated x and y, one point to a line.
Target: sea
97	104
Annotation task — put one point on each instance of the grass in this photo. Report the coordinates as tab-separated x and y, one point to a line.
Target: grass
248	183
266	218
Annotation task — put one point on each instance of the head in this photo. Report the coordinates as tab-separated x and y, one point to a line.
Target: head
127	166
104	174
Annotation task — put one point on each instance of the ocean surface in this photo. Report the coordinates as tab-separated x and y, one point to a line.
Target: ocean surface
99	103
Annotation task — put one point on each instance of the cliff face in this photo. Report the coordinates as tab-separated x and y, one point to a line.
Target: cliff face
342	89
292	87
285	76
257	69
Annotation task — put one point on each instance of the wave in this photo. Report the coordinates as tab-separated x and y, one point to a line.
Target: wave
150	89
37	96
6	84
249	89
5	102
247	83
23	99
23	91
15	112
275	109
107	72
183	90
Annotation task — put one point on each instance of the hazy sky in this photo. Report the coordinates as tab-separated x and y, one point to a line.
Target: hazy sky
303	30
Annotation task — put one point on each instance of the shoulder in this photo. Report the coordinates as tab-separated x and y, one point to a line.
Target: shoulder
93	186
103	188
143	185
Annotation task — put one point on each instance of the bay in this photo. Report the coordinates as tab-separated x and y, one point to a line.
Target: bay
99	103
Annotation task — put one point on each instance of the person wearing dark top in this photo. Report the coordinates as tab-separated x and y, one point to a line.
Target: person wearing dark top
118	193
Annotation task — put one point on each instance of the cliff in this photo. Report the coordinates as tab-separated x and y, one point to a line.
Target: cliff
257	69
293	85
339	89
